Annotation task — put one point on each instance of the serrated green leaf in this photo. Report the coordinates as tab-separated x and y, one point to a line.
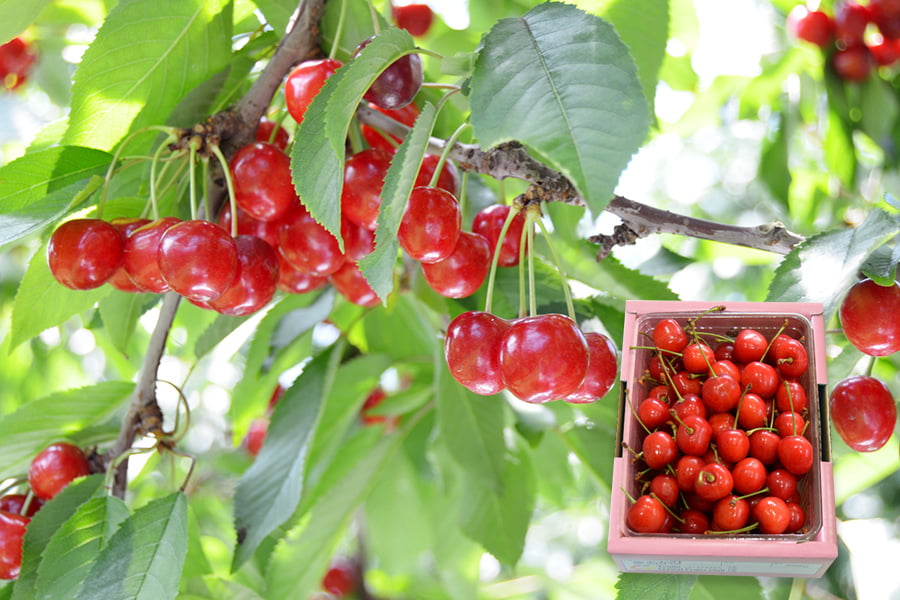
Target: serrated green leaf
38	188
71	552
378	267
881	265
269	491
144	558
839	253
326	122
773	162
710	587
18	15
58	303
500	520
561	82
649	586
354	22
173	46
45	524
40	422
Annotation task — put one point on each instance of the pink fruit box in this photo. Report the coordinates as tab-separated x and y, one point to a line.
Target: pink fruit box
805	554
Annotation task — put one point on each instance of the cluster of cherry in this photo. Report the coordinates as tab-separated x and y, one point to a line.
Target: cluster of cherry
854	50
52	469
724	446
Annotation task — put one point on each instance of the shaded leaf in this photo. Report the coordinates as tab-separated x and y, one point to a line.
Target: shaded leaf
18	15
120	314
649	586
710	587
881	265
773	162
561	82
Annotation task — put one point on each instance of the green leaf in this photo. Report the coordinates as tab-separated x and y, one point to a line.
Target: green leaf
647	586
38	188
71	552
172	47
710	587
773	162
881	265
561	82
40	422
879	109
120	314
594	443
45	524
378	266
354	22
277	12
499	521
58	303
269	491
18	15
840	152
326	122
839	254
144	558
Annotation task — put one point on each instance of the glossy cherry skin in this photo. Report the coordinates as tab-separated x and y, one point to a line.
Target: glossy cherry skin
84	253
448	179
543	358
863	412
353	285
489	223
714	481
305	81
462	273
646	515
796	454
791	397
363	179
749	345
359	242
398	84
55	467
749	475
772	514
762	378
198	259
340	579
693	435
652	412
121	280
853	64
376	139
813	26
247	225
262	181
850	21
308	246
14	503
12	530
414	18
669	335
266	132
16	59
141	255
430	225
256	280
601	372
292	281
472	351
869	317
730	513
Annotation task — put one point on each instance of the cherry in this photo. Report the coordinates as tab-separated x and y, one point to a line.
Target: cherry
724	351
292	281
753	413
789	423
262	181
791	358
853	63
489	222
363	179
772	514
813	26
55	467
661	393
693	435
646	515
375	398
462	273
472	351
359	242
84	253
266	132
869	317
749	345
714	481
749	475
719	422
140	254
659	449
305	81
308	246
376	139
761	377
198	259
798	518
652	412
601	372
448	179
256	435
721	393
542	358
16	59
726	367
15	503
12	530
121	280
863	412
796	454
698	357
690	404
850	21
694	521
430	225
764	445
885	52
414	18
791	397
665	487
247	225
733	445
886	15
730	513
398	84
684	383
340	579
256	280
353	285
781	483
670	336
686	471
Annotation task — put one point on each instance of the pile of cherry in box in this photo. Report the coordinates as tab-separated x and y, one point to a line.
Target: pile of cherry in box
725	419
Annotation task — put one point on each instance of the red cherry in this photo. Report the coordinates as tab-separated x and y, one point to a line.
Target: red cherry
694	521
753	412
414	18
721	393
686	472
781	483
869	317
55	467
266	132
430	225
84	253
659	449
726	367
262	181
665	487
764	446
693	435
489	222
749	345
121	280
308	246
462	273
646	515
198	259
12	530
724	351
853	63
772	514
359	242
398	84
796	454
376	139
698	357
690	404
791	358
850	21
761	377
305	81
886	15
256	435
733	445
813	26
669	335
543	358
885	52
247	225
472	351
140	255
353	285
652	412
749	475
798	518
863	412
256	280
714	481
15	503
448	179
684	383
292	281
340	579
16	59
601	372
789	423
730	513
363	179
791	397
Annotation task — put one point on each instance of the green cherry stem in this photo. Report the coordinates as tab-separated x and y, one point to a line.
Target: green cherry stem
192	178
232	200
169	131
570	306
495	259
448	146
154	204
530	218
339	30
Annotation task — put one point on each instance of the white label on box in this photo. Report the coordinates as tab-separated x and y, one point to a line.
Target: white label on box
718	566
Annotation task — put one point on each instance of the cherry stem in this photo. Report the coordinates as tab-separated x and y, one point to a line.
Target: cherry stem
570	306
29	499
495	259
531	215
745	529
173	435
169	131
204	182
192	178
232	200
666	506
871	366
339	30
630	497
447	147
376	26
153	163
737	412
687	428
